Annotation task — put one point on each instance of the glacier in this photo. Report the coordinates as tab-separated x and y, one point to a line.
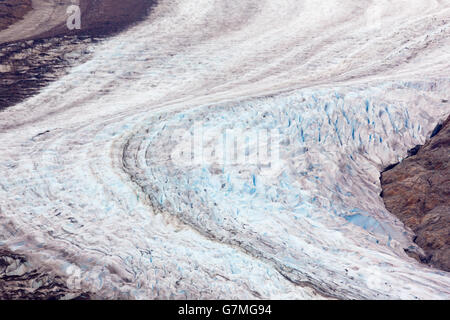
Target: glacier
89	185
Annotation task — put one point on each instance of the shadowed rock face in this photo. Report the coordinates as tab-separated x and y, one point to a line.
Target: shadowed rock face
418	192
21	280
12	10
104	17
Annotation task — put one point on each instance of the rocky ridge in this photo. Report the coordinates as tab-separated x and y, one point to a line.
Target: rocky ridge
417	191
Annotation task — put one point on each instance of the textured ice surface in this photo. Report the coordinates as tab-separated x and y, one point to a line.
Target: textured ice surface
88	182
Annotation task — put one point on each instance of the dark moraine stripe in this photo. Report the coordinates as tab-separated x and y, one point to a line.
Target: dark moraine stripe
30	64
19	279
12	10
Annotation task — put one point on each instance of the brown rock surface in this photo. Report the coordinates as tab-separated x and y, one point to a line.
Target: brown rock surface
418	192
12	11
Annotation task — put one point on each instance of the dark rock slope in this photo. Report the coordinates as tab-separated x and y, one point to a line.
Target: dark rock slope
20	280
418	192
104	17
12	10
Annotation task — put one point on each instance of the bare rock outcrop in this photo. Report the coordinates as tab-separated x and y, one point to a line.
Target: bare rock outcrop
417	191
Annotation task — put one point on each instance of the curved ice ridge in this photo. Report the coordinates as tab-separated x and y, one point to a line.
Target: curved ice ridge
316	216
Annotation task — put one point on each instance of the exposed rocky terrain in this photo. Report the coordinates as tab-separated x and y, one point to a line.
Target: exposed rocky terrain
417	191
12	10
20	279
103	17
